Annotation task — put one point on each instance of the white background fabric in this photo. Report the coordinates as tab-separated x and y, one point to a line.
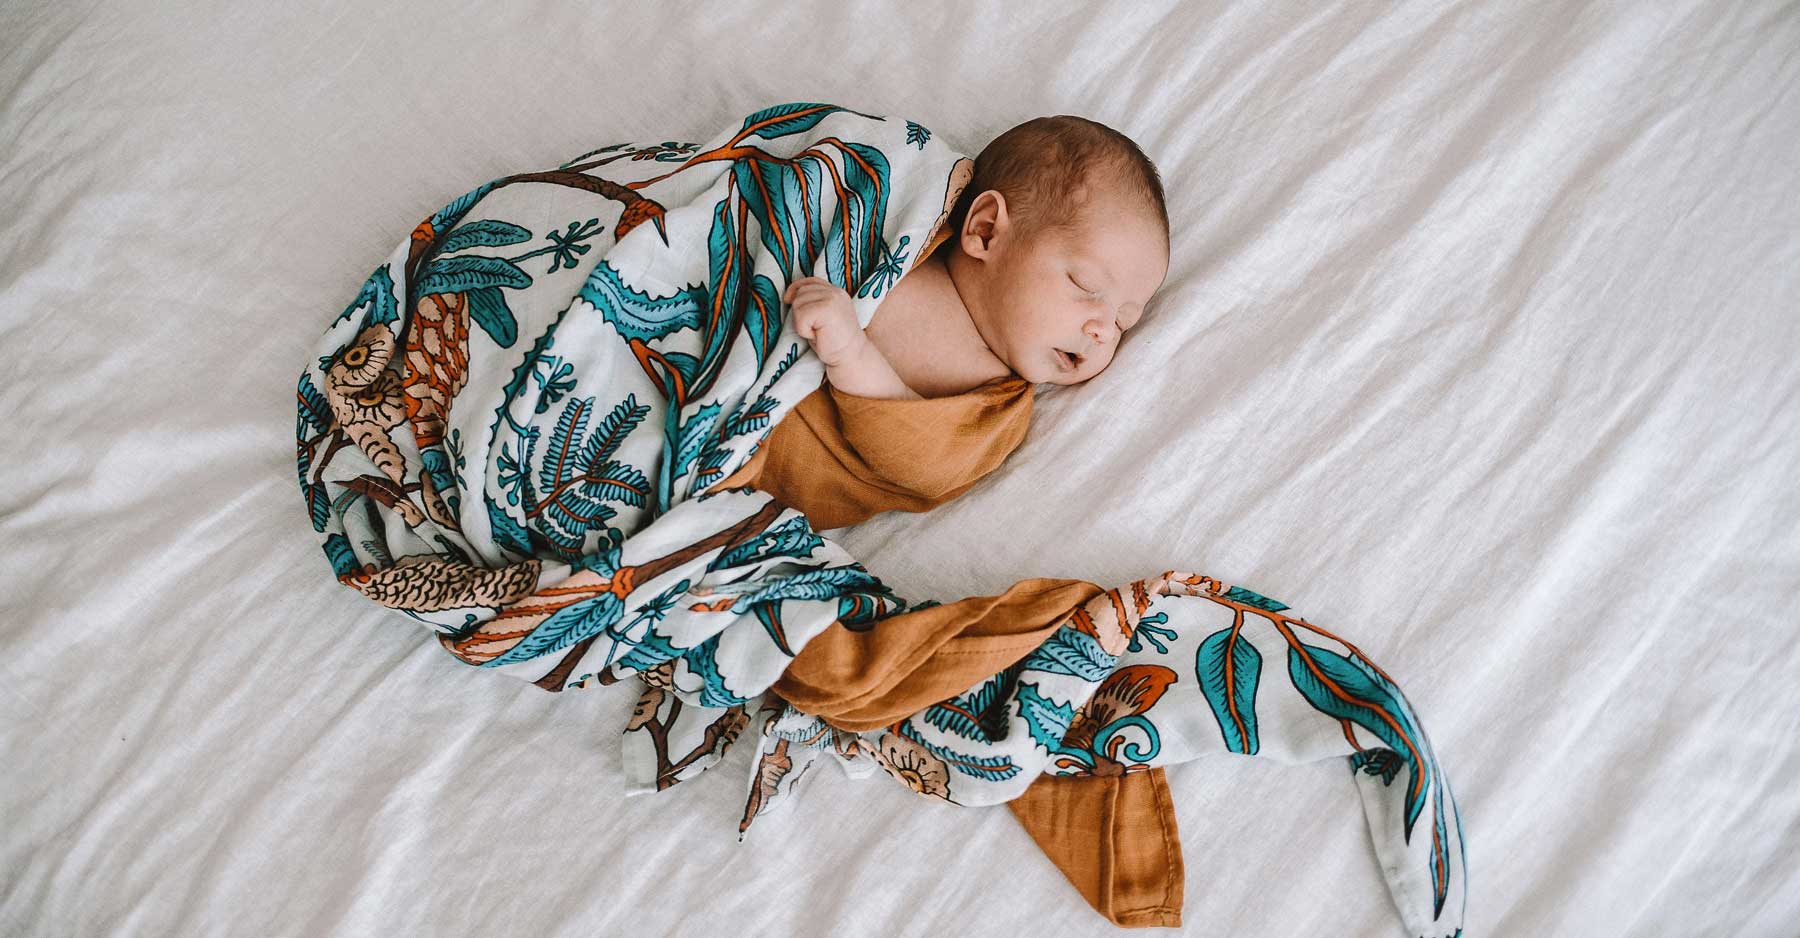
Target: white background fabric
1478	346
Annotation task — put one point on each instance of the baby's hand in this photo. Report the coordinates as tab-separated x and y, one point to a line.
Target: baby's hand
825	317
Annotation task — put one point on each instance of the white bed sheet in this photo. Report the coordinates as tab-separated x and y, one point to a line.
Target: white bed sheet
1479	345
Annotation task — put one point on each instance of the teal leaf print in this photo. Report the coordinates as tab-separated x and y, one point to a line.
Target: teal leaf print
784	198
339	552
651	649
713	692
471	272
1238	594
318	504
487	232
565	627
1047	722
315	412
616	482
611	433
450	213
784	119
980	714
855	234
1380	763
826	583
792	538
751	417
639	315
574	489
376	296
887	270
1151	629
725	280
693	438
762	320
561	462
555	380
487	307
917	135
1340	688
712	467
989	768
1072	652
1229	667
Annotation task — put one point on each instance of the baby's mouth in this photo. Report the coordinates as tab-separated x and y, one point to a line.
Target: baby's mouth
1069	360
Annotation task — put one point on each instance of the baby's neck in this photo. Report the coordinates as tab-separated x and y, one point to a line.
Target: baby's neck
925	331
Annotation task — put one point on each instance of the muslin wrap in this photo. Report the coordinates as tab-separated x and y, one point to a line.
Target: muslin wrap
517	432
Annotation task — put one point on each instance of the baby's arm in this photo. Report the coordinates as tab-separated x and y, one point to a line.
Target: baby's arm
824	316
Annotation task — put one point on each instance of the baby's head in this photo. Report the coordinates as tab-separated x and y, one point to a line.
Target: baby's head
1058	242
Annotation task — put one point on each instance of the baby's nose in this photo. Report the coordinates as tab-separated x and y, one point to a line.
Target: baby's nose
1098	330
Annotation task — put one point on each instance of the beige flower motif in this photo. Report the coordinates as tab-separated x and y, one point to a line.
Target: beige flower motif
380	403
364	361
913	765
367	401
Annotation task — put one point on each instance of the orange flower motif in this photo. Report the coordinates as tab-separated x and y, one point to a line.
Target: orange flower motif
1127	692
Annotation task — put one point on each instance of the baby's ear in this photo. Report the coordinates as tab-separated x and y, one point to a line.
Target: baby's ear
986	220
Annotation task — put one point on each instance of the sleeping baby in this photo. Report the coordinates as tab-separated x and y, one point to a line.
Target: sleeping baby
1047	257
1034	283
1019	286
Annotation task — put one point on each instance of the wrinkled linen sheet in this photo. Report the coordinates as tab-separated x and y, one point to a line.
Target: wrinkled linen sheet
528	458
1478	337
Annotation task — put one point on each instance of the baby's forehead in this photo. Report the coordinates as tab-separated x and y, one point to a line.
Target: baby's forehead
1098	205
1128	249
1113	228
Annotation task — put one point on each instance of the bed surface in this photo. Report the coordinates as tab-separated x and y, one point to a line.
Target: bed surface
1478	346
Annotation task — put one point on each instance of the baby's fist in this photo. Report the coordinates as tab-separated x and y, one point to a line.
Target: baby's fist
824	316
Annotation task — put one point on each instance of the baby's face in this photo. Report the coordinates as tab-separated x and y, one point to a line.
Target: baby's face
1059	302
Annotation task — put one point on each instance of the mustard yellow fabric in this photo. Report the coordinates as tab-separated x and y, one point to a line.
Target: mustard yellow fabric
840	459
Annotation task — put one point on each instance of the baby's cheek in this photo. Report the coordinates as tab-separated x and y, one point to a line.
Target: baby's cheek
1098	364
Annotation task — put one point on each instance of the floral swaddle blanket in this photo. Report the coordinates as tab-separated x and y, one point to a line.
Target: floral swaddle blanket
514	433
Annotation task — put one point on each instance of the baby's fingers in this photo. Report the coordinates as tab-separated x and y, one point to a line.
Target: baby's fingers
807	283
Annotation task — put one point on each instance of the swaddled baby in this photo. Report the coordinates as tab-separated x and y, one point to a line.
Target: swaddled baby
1056	244
1046	258
1048	255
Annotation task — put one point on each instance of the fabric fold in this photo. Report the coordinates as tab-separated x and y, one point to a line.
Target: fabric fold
1115	838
